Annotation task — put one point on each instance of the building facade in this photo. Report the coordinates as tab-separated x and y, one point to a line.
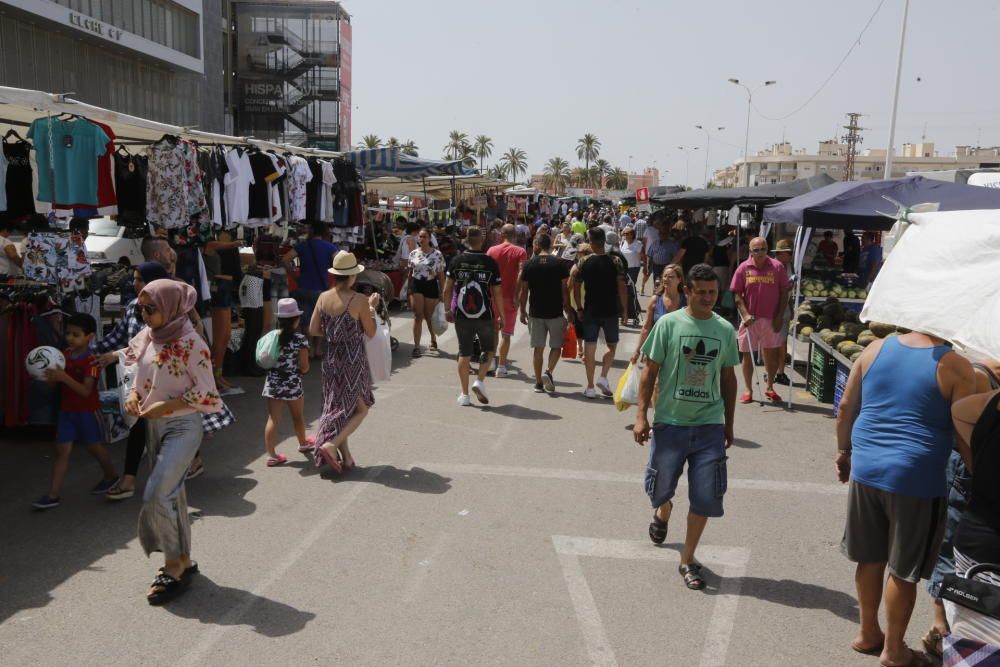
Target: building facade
782	163
291	72
155	59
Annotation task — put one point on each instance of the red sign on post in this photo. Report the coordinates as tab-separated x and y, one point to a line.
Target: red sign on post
642	195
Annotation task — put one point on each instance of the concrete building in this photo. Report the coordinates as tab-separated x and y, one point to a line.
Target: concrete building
291	72
782	163
156	59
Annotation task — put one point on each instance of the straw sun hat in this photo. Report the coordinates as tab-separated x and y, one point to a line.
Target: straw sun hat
345	264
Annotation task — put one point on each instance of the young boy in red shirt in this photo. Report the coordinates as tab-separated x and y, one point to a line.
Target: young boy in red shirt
78	409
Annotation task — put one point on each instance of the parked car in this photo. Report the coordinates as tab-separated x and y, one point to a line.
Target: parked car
110	243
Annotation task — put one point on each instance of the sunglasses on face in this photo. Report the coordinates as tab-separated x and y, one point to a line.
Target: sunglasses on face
758	251
147	308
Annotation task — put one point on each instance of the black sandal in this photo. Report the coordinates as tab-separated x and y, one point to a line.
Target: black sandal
692	576
190	570
658	527
171	588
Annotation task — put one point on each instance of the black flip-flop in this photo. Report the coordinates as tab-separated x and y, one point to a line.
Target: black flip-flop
172	587
189	571
658	528
692	576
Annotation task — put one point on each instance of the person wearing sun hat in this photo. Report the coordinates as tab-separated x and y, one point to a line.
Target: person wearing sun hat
343	318
283	386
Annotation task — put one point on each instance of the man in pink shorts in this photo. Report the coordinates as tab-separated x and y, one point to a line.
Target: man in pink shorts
510	257
760	286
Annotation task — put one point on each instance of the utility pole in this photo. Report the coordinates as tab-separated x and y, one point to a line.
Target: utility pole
852	139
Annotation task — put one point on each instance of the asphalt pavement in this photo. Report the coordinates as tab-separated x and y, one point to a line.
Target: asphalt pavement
513	534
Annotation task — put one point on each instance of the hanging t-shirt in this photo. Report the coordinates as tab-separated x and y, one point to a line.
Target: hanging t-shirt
691	354
238	181
19	189
130	184
107	201
73	147
299	176
260	194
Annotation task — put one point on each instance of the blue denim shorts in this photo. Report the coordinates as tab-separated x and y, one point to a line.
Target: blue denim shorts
703	448
593	325
78	427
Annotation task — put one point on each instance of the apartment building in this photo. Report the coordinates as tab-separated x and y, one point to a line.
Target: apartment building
782	163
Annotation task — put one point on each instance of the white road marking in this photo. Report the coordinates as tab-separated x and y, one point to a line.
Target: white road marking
197	654
733	560
420	576
624	478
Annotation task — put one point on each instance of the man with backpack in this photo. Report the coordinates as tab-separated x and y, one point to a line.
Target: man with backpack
471	287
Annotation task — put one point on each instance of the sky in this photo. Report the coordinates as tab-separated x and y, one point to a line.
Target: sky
640	74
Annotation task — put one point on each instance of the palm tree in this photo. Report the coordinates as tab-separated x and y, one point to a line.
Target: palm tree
484	148
602	168
514	161
497	171
453	149
371	141
468	155
588	149
409	148
556	174
392	142
617	179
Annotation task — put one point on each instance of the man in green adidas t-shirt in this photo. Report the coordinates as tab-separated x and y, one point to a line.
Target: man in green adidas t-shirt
692	352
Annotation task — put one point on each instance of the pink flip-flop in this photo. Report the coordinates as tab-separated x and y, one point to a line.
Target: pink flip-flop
310	444
278	460
331	460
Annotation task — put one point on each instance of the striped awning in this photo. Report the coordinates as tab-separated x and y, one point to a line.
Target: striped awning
378	162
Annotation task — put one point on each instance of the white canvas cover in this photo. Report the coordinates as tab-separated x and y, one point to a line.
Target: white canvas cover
943	278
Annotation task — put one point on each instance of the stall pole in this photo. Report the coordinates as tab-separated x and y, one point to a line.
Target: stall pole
887	173
798	257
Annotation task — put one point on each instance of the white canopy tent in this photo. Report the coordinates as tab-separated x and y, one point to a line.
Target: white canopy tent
941	279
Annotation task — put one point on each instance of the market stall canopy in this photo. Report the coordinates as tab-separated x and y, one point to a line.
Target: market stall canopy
856	204
376	162
941	279
727	197
19	107
434	186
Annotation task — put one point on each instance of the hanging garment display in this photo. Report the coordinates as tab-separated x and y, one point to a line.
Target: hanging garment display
56	260
299	177
174	189
18	182
130	184
260	193
239	178
218	171
67	153
107	201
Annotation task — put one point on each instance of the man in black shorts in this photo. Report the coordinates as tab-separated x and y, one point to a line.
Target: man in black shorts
474	280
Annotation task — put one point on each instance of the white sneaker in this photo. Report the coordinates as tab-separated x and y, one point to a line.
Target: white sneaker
589	393
464	400
479	389
501	371
604	387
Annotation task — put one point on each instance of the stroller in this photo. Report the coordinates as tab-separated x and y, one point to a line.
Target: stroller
634	314
370	281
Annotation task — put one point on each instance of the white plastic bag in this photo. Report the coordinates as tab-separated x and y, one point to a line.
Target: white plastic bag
379	353
630	392
438	322
126	380
269	349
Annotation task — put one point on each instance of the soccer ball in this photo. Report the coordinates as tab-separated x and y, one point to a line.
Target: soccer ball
42	359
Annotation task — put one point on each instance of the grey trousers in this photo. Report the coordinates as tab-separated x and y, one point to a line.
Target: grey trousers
163	520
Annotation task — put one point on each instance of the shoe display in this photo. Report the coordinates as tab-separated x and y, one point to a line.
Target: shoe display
464	400
479	389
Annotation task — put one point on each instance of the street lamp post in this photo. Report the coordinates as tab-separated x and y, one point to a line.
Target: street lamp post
746	140
708	147
687	163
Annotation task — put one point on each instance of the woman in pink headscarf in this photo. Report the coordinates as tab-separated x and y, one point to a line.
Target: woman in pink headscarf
174	385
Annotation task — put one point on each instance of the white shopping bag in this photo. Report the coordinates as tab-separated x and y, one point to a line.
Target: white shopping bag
379	353
126	381
630	392
438	322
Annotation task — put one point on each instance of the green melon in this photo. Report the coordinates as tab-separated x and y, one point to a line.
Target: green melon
881	330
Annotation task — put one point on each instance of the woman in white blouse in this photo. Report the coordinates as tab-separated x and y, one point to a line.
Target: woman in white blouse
425	278
632	249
